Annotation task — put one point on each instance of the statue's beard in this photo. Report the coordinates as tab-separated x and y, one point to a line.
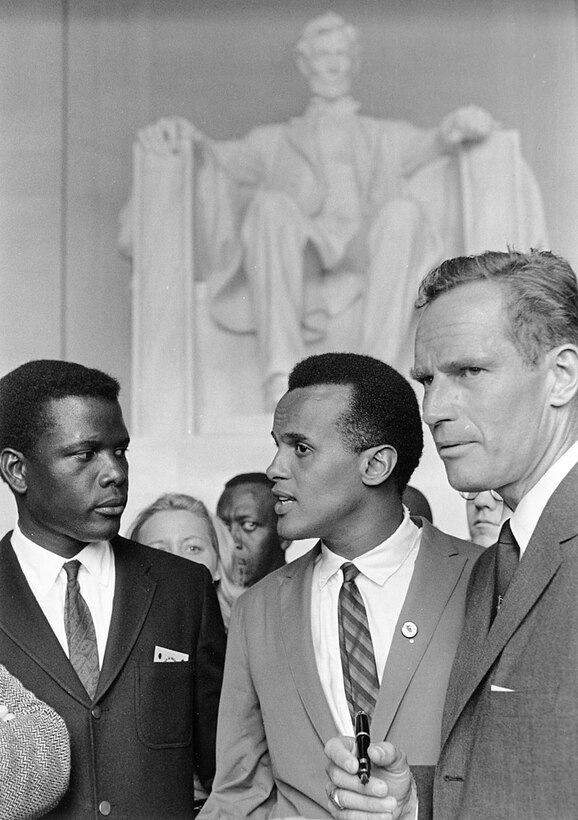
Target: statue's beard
330	89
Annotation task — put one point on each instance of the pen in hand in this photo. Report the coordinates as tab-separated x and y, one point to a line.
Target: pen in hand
362	742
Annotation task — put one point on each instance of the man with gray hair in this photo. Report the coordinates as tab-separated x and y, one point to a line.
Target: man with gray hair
329	219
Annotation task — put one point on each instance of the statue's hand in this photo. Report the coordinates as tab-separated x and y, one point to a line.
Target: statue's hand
168	135
466	125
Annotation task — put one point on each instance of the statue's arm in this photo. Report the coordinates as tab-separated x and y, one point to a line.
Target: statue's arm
241	159
465	126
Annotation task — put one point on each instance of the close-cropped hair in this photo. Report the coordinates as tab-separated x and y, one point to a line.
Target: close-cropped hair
541	288
383	409
249	478
174	501
26	391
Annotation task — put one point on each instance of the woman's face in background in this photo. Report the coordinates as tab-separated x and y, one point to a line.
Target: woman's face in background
183	533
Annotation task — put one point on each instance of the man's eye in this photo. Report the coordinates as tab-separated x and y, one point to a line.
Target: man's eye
249	526
121	452
471	371
302	449
191	548
85	455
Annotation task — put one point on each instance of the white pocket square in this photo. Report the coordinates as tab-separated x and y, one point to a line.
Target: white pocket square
495	688
164	655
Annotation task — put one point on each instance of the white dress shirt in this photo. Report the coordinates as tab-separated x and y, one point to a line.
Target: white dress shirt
385	575
47	579
527	513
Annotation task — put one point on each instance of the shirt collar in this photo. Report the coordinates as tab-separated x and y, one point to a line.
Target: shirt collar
531	507
379	563
41	566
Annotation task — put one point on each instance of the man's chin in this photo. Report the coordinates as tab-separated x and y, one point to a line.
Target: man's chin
288	533
106	531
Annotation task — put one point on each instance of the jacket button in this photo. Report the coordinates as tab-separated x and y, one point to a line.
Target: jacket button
96	712
104	807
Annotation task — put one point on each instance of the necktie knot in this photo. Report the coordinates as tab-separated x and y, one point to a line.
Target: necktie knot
350	572
71	569
506	536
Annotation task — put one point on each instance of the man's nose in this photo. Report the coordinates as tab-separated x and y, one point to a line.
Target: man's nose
438	403
237	535
113	471
276	469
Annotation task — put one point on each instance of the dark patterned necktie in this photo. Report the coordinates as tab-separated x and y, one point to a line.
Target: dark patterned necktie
507	560
357	658
80	633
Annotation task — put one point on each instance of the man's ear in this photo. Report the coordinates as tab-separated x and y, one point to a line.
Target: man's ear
377	464
565	370
13	468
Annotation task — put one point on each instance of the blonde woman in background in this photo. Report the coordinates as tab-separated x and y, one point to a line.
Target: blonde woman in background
181	524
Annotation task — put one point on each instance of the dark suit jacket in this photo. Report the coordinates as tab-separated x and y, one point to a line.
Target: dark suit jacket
134	746
514	754
274	719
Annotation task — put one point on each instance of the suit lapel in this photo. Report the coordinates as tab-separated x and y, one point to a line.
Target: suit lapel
479	648
466	668
295	628
22	619
133	595
438	568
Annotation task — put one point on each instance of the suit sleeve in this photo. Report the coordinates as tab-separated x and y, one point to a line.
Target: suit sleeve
34	753
209	660
244	784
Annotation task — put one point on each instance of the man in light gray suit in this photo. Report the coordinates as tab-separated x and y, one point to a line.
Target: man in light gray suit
349	436
497	354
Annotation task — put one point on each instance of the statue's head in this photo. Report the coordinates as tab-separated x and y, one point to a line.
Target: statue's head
328	55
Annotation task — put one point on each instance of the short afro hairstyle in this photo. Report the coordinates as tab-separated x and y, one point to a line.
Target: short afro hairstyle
383	408
249	478
26	391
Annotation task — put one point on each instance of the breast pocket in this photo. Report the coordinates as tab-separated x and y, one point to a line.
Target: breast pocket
523	704
164	704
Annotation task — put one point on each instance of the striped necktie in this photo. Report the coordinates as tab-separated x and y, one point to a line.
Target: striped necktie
357	658
80	632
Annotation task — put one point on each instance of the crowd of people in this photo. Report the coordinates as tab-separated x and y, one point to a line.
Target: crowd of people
138	684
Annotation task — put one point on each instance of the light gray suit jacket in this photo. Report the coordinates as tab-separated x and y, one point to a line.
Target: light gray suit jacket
513	754
274	719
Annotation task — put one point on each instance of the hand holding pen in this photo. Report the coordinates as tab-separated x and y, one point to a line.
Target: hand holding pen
362	741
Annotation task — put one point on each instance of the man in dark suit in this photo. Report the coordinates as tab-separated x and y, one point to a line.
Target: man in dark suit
349	436
497	354
92	622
